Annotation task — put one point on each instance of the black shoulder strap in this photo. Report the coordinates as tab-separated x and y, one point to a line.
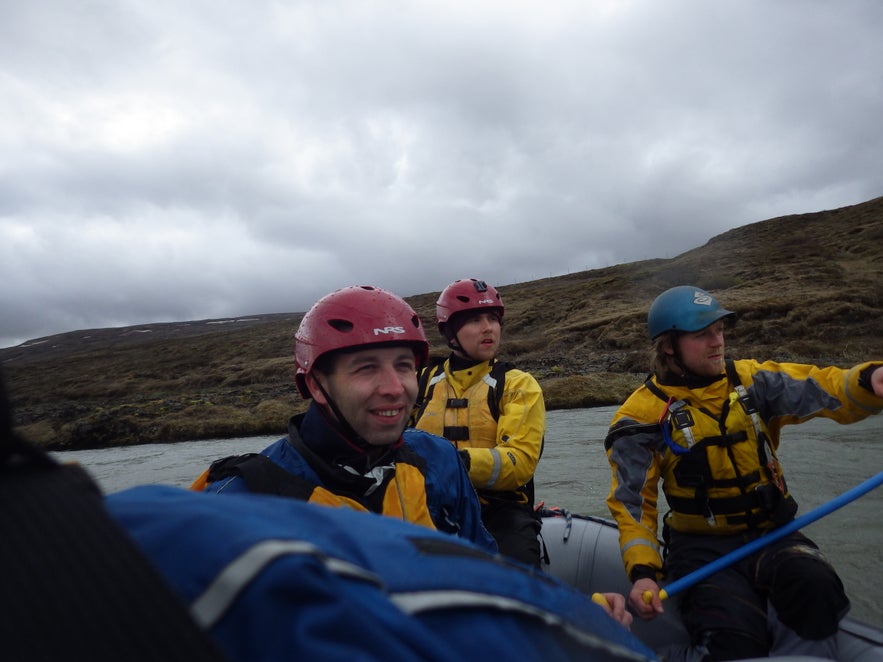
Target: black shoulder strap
733	376
76	586
654	389
495	395
424	394
262	475
745	397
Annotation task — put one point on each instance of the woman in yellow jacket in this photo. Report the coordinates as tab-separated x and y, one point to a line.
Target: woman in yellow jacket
708	428
491	412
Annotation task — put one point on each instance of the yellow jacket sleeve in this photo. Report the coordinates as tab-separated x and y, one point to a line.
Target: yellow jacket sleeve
519	437
633	451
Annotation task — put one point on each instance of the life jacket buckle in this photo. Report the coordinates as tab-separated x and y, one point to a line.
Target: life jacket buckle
745	400
682	419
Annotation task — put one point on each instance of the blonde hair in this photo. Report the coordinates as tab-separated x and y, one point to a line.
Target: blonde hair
659	360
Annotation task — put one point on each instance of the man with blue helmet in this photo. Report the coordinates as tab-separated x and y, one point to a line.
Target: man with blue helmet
708	428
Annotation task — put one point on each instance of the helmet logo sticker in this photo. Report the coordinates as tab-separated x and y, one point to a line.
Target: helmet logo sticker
389	329
702	299
482	301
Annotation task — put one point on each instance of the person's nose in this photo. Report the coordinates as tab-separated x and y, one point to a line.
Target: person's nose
391	381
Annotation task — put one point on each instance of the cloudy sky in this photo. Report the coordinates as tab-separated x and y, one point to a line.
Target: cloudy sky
164	160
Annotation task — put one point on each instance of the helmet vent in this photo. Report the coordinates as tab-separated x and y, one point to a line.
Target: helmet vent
460	297
344	326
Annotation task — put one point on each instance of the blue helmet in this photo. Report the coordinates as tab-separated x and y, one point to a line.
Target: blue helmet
683	308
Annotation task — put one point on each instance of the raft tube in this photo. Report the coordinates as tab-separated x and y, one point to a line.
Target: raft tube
583	551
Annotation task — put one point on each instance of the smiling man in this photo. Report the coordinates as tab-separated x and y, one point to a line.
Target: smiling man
491	412
357	353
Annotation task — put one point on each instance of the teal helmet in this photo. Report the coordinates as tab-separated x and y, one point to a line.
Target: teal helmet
683	308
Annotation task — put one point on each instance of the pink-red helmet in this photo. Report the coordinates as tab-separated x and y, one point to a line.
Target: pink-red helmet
354	317
463	295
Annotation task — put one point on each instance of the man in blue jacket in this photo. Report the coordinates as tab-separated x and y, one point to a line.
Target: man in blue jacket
168	574
357	352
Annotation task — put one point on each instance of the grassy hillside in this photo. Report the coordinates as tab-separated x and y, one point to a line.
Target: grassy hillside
807	288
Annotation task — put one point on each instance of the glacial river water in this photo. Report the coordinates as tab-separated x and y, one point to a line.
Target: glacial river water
821	461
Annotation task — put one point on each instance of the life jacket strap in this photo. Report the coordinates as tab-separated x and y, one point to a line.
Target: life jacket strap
720	506
456	433
261	475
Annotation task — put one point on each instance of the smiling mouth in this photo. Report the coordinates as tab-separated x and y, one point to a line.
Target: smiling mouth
388	413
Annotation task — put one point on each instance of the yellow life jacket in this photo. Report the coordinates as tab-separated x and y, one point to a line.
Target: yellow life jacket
441	410
720	472
464	407
466	416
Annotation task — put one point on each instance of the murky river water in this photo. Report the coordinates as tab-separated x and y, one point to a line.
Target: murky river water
821	460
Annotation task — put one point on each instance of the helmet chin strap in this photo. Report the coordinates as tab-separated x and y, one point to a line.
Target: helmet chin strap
457	348
676	356
352	436
685	371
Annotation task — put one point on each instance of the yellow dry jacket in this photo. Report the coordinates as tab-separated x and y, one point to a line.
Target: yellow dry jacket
504	450
714	449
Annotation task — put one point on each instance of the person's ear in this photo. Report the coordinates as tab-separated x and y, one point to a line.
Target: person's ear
313	384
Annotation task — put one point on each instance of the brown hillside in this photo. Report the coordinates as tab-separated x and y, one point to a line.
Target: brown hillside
807	288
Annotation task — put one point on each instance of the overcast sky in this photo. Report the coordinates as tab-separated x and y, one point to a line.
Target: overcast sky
164	160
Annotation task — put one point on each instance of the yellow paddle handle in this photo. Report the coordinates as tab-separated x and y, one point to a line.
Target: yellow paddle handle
599	599
648	596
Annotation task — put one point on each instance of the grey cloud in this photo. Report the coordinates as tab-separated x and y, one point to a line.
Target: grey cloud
166	162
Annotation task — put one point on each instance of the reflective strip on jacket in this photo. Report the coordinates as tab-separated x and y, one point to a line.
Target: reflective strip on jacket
784	394
503	454
279	579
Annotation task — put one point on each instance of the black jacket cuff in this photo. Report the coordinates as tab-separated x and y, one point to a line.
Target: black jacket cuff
864	377
642	572
464	456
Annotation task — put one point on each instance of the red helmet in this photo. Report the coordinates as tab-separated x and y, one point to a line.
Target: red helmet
466	294
353	317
